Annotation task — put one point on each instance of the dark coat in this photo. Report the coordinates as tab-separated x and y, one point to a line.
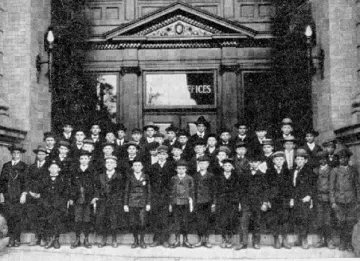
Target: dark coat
120	150
248	139
54	194
110	191
188	151
257	188
169	145
35	179
205	188
160	181
255	147
228	191
71	140
194	138
66	166
323	183
212	154
333	161
82	189
137	192
13	180
312	160
305	183
75	153
181	190
279	190
241	165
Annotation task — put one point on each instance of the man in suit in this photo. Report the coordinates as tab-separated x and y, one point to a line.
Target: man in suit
225	139
120	141
311	147
149	129
212	145
243	135
67	133
202	126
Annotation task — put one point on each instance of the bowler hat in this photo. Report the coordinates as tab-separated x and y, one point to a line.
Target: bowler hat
159	135
88	141
287	121
289	138
150	125
119	127
40	148
229	160
64	143
153	146
16	147
200	142
268	142
224	149
181	163
84	153
212	135
183	133
311	131
240	144
261	126
171	128
329	142
201	120
177	146
224	130
135	130
278	154
131	143
344	153
163	148
108	144
49	134
301	153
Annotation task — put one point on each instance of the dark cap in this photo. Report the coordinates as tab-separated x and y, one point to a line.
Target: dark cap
201	120
171	128
183	133
150	125
261	126
224	130
18	147
40	148
199	142
290	138
268	142
254	157
224	149
229	160
301	153
136	130
203	158
181	163
108	144
88	141
84	153
153	146
159	135
240	144
212	135
321	154
131	143
177	145
278	154
49	134
329	142
64	143
344	153
163	148
241	122
111	158
311	131
120	126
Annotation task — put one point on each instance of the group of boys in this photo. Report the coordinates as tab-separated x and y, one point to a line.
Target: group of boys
112	183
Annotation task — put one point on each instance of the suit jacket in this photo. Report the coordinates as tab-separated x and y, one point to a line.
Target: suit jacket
212	154
120	150
74	152
110	191
169	145
305	183
181	190
66	166
188	151
333	161
192	166
82	189
248	139
205	188
228	191
137	192
323	183
13	181
194	138
241	165
230	145
160	181
255	146
312	161
293	160
54	194
71	140
257	188
279	185
35	179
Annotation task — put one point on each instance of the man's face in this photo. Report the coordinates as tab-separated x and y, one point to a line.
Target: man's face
121	134
228	166
79	136
41	156
183	139
171	135
241	151
15	155
110	137
63	150
136	136
344	160
176	152
221	155
50	142
201	127
242	130
199	149
162	156
54	169
88	147
95	129
68	128
153	152
211	142
261	134
330	149
225	136
203	165
132	150
137	166
267	149
286	129
289	145
159	140
310	138
300	161
110	164
181	170
108	150
254	164
150	132
323	161
84	160
279	161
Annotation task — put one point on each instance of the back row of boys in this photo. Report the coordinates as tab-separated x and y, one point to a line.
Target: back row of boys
181	174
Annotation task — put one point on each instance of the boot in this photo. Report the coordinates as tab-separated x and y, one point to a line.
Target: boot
76	243
330	244
136	241
229	242
177	242
223	242
206	242
56	243
103	241
43	241
186	242
256	240
142	241
200	243
156	241
50	243
285	243
277	244
36	241
304	243
86	242
16	242
321	243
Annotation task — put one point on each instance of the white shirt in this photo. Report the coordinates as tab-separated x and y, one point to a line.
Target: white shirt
242	137
211	149
154	159
149	140
83	168
137	175
14	162
120	142
311	146
296	172
200	135
227	175
67	136
110	173
161	163
289	155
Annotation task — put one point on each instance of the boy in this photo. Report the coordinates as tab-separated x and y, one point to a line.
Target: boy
64	162
171	136
268	149
50	142
278	179
241	162
217	165
150	129
205	191
186	145
211	146
107	150
152	156
242	129
202	130
55	196
136	136
67	133
332	158
159	138
78	143
285	132
108	201
110	136
95	136
137	201
176	152
181	202
120	152
256	187
323	206
13	187
225	139
160	174
289	149
132	152
345	197
82	192
311	147
303	183
199	148
255	146
34	211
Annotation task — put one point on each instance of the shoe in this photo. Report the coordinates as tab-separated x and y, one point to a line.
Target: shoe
240	246
200	242
277	244
229	244
342	246
76	243
114	244
256	246
207	243
166	244
50	243
285	243
87	243
176	243
43	242
321	243
103	242
155	243
57	243
16	243
304	244
330	244
36	241
136	242
186	242
349	247
142	242
11	243
223	243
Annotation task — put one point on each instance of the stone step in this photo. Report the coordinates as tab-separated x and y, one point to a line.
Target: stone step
159	253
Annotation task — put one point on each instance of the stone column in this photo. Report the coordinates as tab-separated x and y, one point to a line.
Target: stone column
356	98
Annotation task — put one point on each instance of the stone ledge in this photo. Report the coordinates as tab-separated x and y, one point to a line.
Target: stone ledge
10	135
349	135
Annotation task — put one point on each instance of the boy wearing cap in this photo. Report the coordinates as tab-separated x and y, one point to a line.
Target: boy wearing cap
108	149
63	160
152	155
186	146
150	129
108	201
332	158
54	195
211	146
133	152
160	174
82	192
267	149
227	202
137	201
225	139
13	187
181	201
199	149
34	211
279	182
323	206
159	138
205	200
256	145
242	130
289	150
136	136
285	132
241	163
345	197
50	142
303	183
176	151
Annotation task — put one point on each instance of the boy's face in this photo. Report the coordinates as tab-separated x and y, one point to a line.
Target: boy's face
110	164
228	166
330	149
153	152
199	149
279	161
50	142
323	161
15	155
289	145
211	142
54	169
159	140
242	130
162	156
63	150
110	137
121	134
300	161
221	155
150	132
41	156
88	147
79	136
267	149
68	128
286	129
171	135
225	136
108	150
183	139
176	152
181	170
136	136
254	164
84	160
203	165
310	138
344	160
261	134
201	127
95	129
132	150
137	166
241	151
